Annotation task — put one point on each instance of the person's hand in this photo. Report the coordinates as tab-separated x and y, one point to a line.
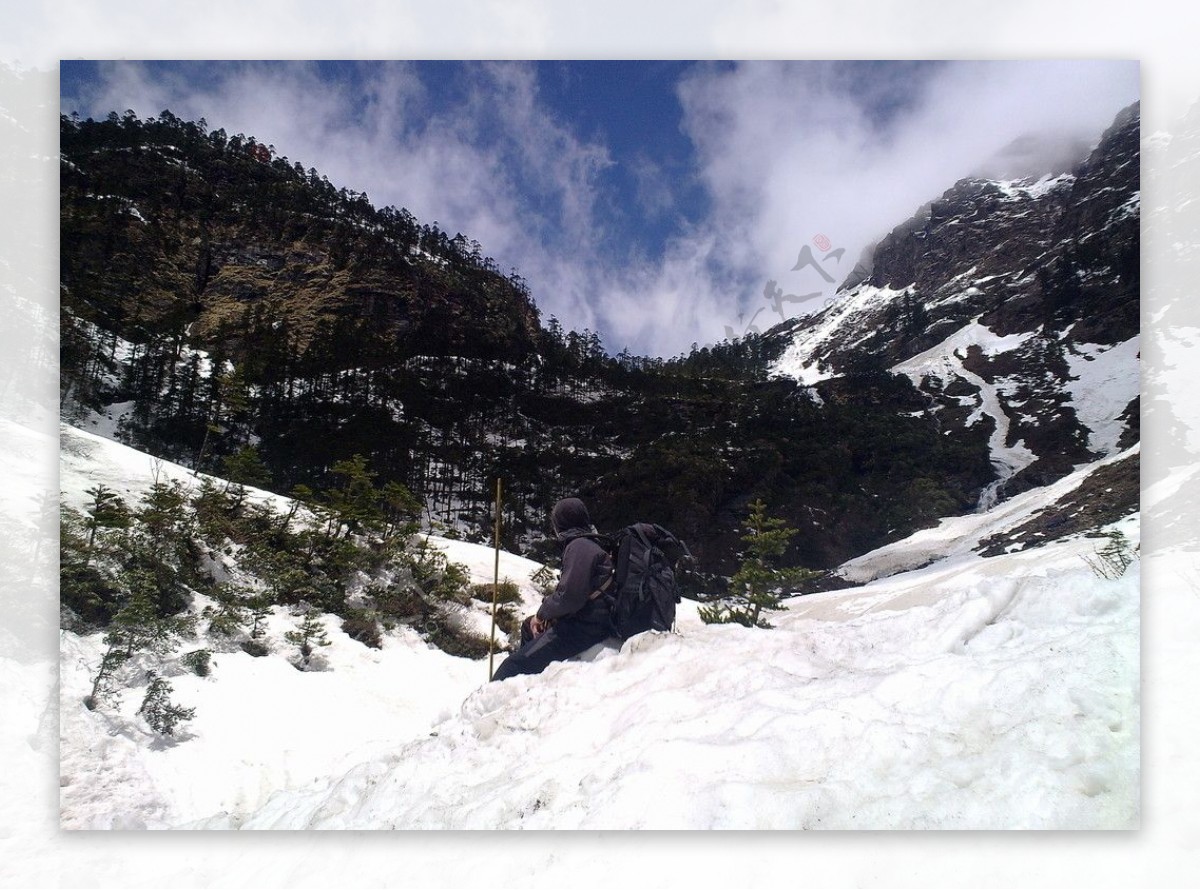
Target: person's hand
536	627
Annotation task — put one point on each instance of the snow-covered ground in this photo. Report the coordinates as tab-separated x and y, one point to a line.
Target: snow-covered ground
260	726
997	693
967	693
1104	380
961	535
257	730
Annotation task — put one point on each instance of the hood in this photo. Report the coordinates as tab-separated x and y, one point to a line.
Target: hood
570	515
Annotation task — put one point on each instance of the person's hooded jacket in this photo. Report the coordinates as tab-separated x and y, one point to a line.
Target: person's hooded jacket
586	566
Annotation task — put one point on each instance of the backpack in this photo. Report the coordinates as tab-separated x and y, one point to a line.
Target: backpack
642	592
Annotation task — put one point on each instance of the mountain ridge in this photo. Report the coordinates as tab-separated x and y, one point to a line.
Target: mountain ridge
1047	269
217	297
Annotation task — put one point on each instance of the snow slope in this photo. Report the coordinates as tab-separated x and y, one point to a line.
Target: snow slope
960	535
946	361
261	725
999	693
801	359
1104	380
970	693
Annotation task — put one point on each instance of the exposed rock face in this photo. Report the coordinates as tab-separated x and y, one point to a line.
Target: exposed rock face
990	346
1008	303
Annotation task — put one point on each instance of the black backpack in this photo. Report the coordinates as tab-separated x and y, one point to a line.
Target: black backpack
642	592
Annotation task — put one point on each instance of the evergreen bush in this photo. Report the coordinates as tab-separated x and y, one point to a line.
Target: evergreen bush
759	583
199	662
162	715
507	592
361	625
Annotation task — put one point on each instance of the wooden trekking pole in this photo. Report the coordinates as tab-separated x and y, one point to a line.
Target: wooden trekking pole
495	584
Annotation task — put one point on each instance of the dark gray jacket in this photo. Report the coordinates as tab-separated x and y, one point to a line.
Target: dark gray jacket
585	567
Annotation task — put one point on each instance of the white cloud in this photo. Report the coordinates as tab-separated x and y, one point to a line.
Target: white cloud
497	166
792	152
786	152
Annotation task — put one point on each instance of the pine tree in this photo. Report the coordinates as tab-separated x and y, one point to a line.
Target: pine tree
106	511
758	584
158	709
161	546
259	605
355	502
229	407
105	688
138	627
400	509
162	516
244	467
311	632
232	611
134	629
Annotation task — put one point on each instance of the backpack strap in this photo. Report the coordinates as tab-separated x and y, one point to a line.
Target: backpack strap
608	545
599	591
641	535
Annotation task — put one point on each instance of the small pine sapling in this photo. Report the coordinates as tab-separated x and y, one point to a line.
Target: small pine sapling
232	610
135	628
138	627
311	632
105	688
199	662
260	609
160	712
758	584
401	509
545	579
161	514
243	468
106	511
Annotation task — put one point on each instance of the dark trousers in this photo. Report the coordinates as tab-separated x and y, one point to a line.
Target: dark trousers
564	639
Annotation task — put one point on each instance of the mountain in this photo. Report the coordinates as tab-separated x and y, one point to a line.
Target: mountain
955	437
221	303
1013	306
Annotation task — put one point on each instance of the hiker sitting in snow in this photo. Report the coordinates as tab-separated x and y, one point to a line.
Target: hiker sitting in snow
575	617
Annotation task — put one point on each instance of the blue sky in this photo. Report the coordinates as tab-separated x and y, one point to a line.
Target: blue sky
656	202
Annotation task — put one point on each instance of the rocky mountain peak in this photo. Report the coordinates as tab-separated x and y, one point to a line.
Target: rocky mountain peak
997	300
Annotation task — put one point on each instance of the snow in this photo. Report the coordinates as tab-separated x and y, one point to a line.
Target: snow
945	355
1021	189
1007	460
262	725
967	693
996	693
106	423
1104	380
88	459
957	536
1132	207
946	360
799	360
